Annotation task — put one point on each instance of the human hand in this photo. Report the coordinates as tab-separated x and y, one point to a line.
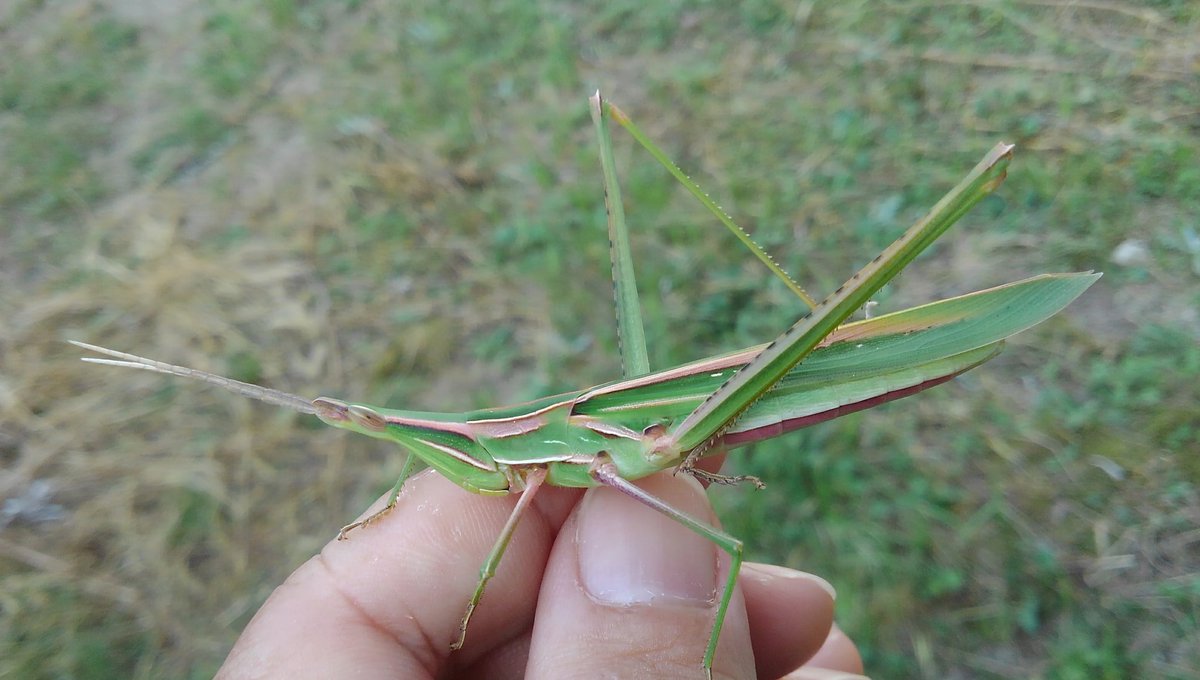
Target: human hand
592	585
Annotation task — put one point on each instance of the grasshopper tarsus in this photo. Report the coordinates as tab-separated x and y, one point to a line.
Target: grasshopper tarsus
344	533
725	480
458	643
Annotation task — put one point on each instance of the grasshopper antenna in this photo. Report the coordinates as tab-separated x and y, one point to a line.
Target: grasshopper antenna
245	389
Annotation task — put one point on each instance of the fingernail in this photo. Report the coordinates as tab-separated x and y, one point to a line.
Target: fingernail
807	673
632	554
767	572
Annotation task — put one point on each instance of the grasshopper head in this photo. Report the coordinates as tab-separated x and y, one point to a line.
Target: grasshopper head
442	441
353	417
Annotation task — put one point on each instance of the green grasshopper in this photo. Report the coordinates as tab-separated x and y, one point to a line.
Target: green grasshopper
616	433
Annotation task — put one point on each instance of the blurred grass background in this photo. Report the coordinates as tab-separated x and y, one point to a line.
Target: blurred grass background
400	202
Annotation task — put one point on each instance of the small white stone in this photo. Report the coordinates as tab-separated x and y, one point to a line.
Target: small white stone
1131	252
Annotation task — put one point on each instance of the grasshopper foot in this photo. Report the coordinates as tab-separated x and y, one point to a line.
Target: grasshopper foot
714	478
342	535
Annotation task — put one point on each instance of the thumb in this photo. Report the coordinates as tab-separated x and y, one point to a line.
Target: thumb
630	592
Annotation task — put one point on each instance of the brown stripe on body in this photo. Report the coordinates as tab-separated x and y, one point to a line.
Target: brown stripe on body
789	424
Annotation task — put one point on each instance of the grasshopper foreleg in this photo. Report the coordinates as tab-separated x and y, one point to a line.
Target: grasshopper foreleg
392	498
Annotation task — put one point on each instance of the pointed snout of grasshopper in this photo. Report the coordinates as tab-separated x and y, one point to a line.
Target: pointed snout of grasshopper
337	413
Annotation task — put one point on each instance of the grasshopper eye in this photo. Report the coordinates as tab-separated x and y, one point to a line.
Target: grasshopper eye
330	410
366	418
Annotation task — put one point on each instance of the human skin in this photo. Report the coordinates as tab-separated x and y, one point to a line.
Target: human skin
593	584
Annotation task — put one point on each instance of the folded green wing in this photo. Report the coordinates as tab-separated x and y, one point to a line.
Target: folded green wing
857	366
